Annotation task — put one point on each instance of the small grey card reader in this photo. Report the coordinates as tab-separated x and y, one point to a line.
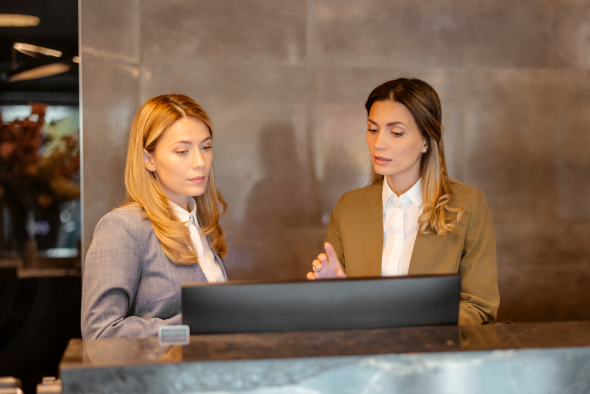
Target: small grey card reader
173	335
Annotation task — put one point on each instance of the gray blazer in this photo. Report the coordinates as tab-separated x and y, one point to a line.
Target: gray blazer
130	286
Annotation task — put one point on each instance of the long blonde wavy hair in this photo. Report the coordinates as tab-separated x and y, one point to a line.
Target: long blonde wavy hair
423	102
143	192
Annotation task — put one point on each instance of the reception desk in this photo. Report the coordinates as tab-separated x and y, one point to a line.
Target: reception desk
496	358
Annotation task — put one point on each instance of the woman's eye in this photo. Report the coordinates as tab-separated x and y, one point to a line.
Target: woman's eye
397	134
207	148
372	131
182	152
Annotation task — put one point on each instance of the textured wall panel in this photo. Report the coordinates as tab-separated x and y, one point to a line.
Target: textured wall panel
224	31
110	93
383	32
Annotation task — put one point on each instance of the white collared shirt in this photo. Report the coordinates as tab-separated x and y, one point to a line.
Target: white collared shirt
400	227
210	268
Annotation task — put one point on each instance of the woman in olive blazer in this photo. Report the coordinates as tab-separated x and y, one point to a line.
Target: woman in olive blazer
453	232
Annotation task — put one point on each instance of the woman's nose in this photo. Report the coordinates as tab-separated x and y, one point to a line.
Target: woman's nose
378	143
198	160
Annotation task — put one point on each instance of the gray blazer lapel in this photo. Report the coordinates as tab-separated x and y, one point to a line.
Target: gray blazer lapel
218	259
220	262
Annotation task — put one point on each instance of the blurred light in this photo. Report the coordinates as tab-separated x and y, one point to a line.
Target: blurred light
69	227
41	72
65	216
30	50
62	252
42	227
76	59
53	113
16	20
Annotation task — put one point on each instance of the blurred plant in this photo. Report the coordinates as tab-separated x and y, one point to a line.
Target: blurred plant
26	173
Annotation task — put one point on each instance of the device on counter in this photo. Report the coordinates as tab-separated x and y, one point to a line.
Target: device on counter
330	304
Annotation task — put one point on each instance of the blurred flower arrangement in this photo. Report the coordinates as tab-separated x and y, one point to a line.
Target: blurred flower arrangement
37	169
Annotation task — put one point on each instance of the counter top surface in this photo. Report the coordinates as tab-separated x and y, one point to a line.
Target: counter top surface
204	348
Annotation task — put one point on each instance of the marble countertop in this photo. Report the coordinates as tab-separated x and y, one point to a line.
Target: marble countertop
204	348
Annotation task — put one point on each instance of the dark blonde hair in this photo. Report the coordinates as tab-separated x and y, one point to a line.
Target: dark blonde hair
143	192
423	102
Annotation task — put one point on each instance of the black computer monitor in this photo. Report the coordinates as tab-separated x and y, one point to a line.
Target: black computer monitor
332	304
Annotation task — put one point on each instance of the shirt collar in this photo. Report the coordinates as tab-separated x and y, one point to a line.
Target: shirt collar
182	214
414	194
387	192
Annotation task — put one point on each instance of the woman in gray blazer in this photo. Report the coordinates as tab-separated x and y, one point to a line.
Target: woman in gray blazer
166	233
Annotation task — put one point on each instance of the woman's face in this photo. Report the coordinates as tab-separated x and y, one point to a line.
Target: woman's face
395	141
182	160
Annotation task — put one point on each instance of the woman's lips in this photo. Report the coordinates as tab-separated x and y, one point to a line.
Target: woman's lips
381	160
198	179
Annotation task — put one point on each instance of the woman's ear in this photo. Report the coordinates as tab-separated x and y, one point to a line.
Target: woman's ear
149	161
424	145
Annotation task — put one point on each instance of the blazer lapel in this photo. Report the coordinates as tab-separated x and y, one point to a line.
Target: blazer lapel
217	258
220	262
419	254
370	233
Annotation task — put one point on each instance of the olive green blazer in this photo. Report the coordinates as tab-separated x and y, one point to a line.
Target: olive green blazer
356	232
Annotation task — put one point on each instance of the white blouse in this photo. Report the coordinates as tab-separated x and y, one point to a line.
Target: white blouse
400	227
207	261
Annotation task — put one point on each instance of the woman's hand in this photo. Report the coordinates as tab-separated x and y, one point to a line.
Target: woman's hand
326	266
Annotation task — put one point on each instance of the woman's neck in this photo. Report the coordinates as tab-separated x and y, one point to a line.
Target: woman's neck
401	184
182	203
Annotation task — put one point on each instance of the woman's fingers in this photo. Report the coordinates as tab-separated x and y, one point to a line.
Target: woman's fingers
318	275
331	253
326	265
334	262
317	266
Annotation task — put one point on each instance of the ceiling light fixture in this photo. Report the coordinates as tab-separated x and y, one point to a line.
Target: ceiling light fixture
31	50
41	72
76	59
35	71
16	20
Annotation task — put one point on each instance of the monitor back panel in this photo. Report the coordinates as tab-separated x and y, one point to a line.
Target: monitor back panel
336	304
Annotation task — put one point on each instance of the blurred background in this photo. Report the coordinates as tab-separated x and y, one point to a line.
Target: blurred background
40	221
285	83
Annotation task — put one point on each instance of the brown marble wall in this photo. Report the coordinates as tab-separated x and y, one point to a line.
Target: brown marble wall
285	82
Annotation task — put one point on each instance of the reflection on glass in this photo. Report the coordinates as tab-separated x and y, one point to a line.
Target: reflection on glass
39	181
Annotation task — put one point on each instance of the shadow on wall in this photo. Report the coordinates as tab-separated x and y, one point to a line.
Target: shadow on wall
274	241
341	175
279	200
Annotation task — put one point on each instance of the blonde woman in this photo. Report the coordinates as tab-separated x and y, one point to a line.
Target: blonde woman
413	219
167	232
